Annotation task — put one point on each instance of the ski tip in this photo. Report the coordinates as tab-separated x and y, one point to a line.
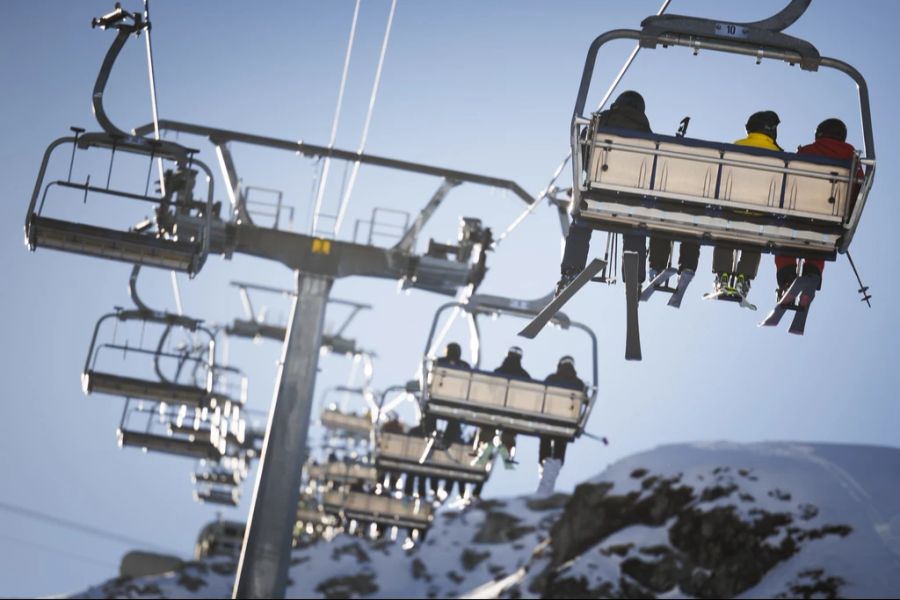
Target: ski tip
526	333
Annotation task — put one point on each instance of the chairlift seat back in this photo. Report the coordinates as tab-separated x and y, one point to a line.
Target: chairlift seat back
524	406
806	194
717	193
689	177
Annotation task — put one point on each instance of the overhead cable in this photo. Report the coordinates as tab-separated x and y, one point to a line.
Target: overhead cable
88	529
345	199
326	163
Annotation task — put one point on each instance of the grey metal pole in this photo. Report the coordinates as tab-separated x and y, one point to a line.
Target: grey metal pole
265	556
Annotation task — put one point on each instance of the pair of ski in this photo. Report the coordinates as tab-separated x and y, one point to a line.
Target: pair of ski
730	294
630	266
661	283
797	297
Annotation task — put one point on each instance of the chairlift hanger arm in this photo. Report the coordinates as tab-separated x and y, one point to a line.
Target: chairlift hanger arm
117	20
756	36
218	136
489	304
161	316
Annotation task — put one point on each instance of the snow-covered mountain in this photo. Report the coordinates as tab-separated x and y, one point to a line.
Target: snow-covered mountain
690	520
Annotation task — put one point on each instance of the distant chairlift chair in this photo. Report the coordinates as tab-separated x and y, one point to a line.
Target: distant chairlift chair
489	399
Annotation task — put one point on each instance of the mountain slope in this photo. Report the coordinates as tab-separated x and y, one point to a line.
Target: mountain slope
688	520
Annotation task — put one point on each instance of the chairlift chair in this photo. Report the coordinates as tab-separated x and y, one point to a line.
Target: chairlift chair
203	390
381	509
490	399
183	225
180	240
404	453
413	455
714	193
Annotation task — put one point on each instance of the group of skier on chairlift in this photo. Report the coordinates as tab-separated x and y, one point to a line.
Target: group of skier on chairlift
550	446
734	269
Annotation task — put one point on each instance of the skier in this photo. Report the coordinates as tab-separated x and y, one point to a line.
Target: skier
762	131
627	112
831	141
452	358
565	376
512	367
393	424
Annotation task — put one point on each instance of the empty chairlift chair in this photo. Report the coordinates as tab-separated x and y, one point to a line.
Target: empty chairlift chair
197	366
178	235
181	237
176	401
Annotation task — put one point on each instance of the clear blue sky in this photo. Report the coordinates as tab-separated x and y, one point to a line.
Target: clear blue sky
486	87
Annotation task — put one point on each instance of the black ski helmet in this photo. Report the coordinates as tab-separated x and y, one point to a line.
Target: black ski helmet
832	128
630	99
453	351
765	121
